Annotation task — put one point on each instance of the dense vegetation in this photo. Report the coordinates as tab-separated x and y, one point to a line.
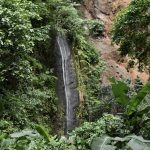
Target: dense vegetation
28	31
30	112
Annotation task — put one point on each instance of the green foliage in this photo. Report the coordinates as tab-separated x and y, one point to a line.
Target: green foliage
136	100
131	142
96	27
120	90
89	136
117	104
108	124
135	117
32	139
102	144
89	69
87	62
37	104
28	30
43	132
138	84
17	39
6	127
131	30
28	93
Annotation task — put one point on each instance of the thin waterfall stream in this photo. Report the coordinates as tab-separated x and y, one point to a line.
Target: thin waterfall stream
67	83
64	73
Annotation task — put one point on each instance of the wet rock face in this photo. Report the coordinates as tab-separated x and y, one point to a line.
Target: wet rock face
66	82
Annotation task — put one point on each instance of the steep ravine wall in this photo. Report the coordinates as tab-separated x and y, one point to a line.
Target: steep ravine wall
106	10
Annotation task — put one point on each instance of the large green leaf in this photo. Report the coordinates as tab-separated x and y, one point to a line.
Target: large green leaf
137	99
120	90
23	133
3	136
133	141
140	138
43	132
102	143
136	144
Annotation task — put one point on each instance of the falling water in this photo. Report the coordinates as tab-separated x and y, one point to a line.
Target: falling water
67	74
63	50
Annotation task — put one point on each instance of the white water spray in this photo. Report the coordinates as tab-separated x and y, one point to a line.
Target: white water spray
64	51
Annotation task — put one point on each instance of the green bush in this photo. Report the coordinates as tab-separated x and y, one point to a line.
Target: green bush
28	93
17	40
37	104
33	139
108	124
136	113
96	27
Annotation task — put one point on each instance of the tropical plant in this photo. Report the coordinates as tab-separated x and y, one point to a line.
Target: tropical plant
134	116
129	142
34	139
108	124
120	90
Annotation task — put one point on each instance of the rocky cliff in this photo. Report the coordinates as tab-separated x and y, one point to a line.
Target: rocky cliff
106	10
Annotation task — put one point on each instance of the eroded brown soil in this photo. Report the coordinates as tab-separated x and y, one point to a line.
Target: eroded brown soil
106	10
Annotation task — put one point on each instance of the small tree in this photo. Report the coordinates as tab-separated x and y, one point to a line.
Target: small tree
131	30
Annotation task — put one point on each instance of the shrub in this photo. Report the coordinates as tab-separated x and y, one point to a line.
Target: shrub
108	124
96	27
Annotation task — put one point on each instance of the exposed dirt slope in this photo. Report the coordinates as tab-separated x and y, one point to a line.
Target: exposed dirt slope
106	10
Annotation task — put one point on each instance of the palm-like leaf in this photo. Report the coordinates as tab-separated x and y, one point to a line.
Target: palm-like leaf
137	99
102	143
120	90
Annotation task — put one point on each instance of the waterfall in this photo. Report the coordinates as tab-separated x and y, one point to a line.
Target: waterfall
66	81
64	57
